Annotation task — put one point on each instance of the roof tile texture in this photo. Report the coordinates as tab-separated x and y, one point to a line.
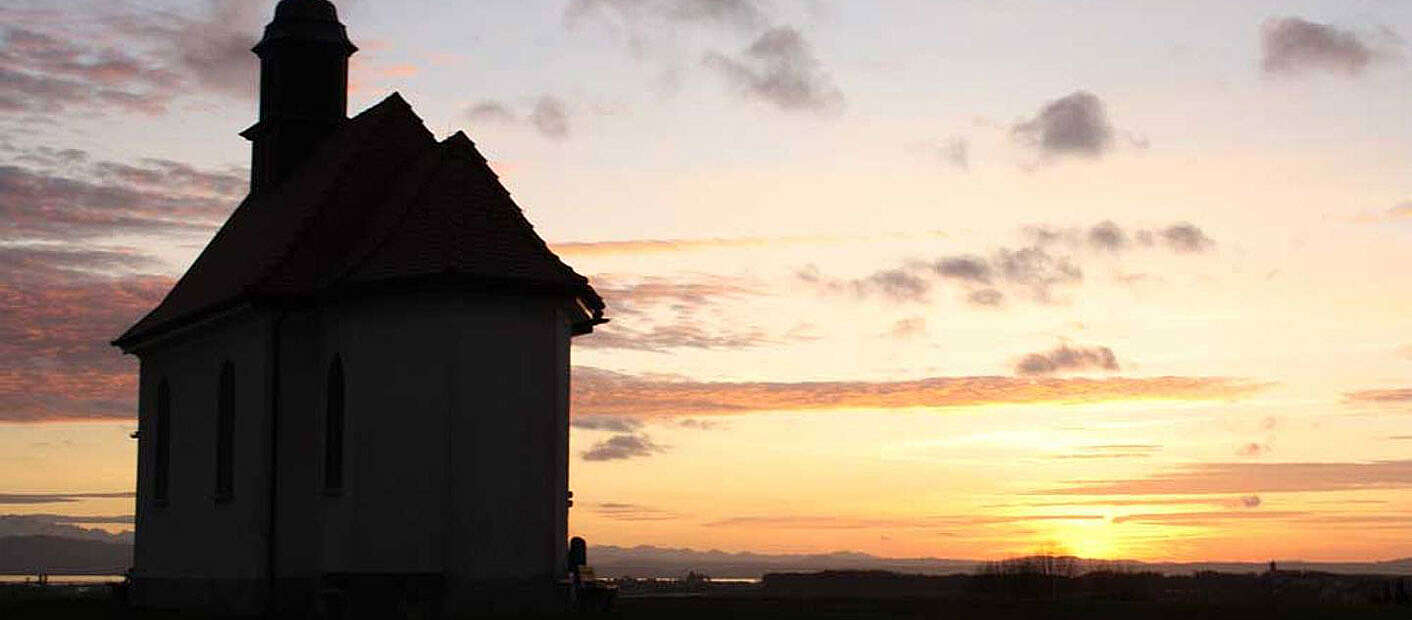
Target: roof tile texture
380	202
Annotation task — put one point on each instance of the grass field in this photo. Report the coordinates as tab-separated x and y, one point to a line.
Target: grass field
92	605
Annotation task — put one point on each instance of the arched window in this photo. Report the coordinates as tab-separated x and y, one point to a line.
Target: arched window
225	434
333	427
162	443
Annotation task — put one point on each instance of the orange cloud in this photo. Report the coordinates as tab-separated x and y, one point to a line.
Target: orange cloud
61	394
365	70
55	363
1400	395
1204	518
649	246
1247	502
599	392
1212	478
399	70
831	522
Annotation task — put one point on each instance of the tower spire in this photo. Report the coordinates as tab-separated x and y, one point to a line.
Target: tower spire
303	88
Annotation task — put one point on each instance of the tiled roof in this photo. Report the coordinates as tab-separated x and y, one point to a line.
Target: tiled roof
380	203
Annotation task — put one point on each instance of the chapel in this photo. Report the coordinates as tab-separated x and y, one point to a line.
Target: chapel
358	394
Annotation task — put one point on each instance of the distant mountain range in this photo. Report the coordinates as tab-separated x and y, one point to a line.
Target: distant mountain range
648	561
59	555
61	526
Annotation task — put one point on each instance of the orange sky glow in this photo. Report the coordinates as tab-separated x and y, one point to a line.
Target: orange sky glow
1031	285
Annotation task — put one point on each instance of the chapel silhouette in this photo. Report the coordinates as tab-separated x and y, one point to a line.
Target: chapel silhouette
361	386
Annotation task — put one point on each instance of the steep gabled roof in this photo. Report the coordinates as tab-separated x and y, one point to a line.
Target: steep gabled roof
380	203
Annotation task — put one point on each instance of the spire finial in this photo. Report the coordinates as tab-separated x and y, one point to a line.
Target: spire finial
306	21
303	87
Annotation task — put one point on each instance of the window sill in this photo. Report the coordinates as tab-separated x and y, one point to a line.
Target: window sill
223	498
333	492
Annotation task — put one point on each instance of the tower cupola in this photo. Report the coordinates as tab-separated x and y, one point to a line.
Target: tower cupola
303	88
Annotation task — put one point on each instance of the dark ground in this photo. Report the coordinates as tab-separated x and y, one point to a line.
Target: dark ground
94	605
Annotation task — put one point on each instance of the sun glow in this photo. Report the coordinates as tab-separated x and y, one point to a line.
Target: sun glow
1091	539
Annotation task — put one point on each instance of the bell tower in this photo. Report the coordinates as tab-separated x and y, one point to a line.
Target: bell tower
303	88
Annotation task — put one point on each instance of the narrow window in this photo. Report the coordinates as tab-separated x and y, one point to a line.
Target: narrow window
333	427
162	443
225	434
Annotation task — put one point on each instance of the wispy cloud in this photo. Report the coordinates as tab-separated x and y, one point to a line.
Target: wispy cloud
1109	237
65	294
1396	395
214	48
655	246
1033	272
550	115
54	360
1253	449
490	111
58	498
1252	478
1065	358
622	447
735	14
837	522
1113	451
986	297
953	151
1244	501
908	328
1186	238
779	68
631	512
49	72
893	284
636	296
600	392
1207	518
104	198
680	335
99	58
606	423
670	314
967	268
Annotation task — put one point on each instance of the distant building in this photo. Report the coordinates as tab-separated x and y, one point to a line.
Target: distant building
361	387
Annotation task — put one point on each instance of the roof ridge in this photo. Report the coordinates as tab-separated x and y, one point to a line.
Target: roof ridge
382	111
245	203
523	222
461	144
379	201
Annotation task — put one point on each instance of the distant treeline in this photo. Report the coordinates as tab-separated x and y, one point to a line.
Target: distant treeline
31	555
1055	578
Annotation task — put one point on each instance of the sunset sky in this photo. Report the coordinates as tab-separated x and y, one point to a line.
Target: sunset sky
968	279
